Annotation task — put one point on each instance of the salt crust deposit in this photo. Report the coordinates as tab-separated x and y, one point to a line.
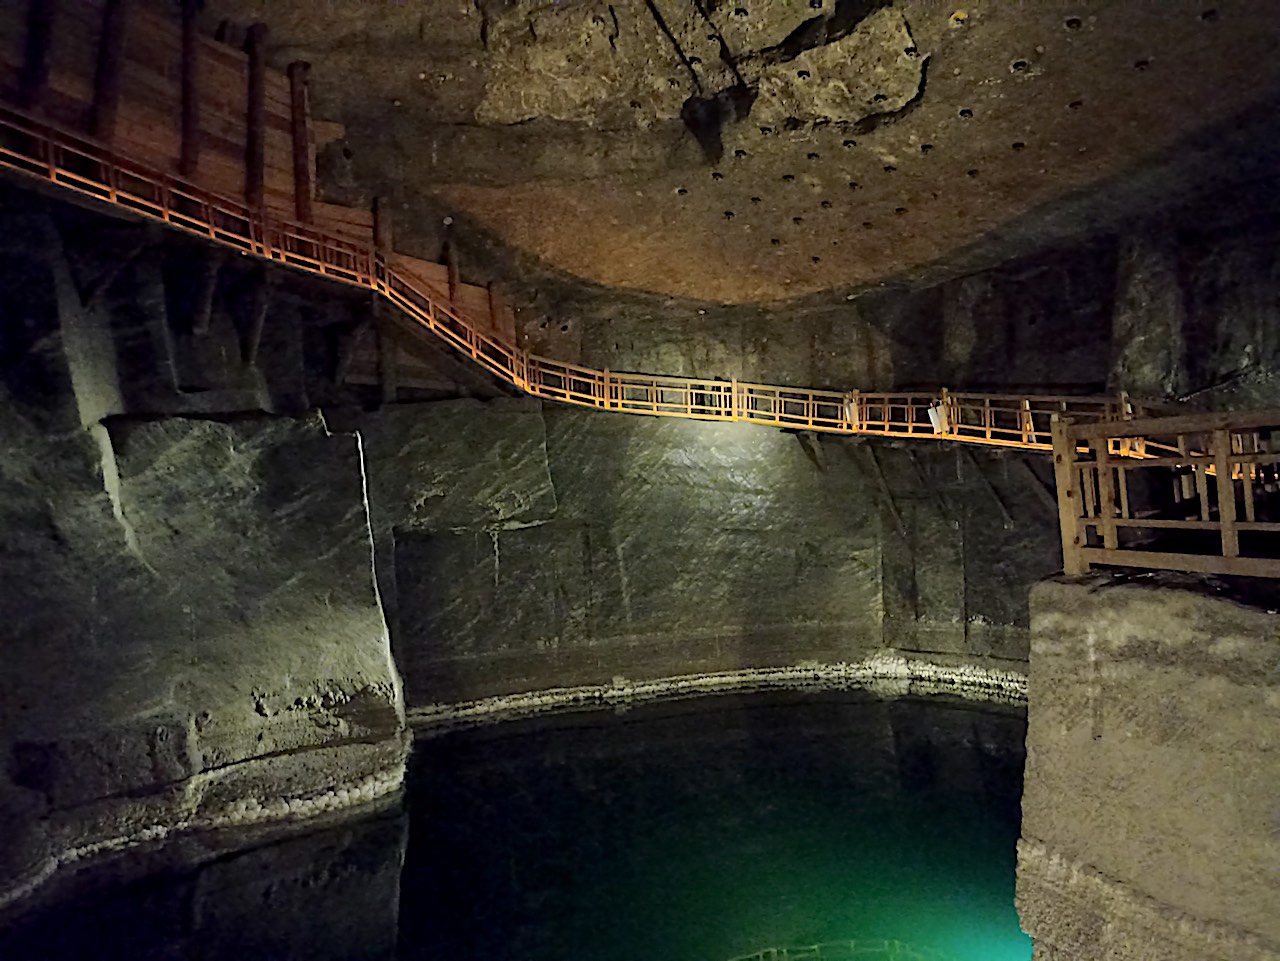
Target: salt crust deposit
245	812
884	675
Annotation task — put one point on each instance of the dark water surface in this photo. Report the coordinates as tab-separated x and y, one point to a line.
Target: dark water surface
697	831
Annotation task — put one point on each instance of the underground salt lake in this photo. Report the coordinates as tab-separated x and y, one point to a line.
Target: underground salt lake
702	830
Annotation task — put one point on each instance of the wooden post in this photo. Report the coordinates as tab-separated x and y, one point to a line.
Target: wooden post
190	152
1064	455
451	259
106	86
34	82
383	234
388	362
1106	494
256	117
259	304
206	286
300	113
1226	493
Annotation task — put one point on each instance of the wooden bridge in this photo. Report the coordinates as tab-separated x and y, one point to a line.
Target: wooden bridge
73	122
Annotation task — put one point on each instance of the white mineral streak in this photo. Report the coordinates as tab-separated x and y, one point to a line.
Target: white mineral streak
885	675
244	812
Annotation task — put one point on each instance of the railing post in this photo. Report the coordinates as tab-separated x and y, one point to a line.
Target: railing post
605	388
1106	493
1069	512
1226	493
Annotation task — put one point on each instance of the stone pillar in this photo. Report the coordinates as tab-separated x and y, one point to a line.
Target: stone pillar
1153	755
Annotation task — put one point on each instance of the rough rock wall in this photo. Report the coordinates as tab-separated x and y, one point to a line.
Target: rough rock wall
191	630
1149	804
541	548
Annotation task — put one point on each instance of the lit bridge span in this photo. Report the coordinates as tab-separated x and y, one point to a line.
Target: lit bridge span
1099	440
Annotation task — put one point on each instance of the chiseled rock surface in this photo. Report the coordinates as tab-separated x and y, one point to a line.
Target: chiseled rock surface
460	464
1149	806
189	621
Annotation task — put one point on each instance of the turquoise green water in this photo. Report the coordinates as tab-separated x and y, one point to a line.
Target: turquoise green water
708	834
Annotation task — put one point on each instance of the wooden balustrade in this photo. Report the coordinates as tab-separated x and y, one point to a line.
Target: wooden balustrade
1098	442
80	164
1196	493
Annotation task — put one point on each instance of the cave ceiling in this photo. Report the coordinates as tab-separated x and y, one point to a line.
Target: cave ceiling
759	150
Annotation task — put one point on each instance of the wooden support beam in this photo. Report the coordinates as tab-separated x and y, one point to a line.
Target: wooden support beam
383	239
107	80
451	261
388	353
886	491
206	287
255	150
304	183
1069	510
189	159
348	347
259	304
991	488
34	81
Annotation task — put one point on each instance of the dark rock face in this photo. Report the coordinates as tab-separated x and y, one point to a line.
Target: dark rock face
189	613
665	547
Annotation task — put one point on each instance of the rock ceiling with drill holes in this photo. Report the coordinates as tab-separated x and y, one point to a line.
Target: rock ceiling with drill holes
759	150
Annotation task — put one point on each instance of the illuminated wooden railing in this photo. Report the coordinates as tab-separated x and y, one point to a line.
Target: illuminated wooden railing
848	951
1196	493
88	168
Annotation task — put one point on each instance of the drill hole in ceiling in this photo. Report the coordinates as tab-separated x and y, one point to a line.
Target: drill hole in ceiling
825	205
775	242
797	220
1073	23
728	215
564	328
1142	64
854	185
1075	105
879	98
889	168
717	175
816	259
973	172
741	12
813	156
757	200
788	178
766	131
899	210
1019	66
1210	15
803	74
850	143
966	113
682	191
1018	145
926	147
867	225
739	153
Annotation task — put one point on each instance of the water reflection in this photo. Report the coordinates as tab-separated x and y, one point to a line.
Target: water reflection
699	831
707	831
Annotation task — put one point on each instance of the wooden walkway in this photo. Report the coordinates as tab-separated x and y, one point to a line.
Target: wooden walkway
124	107
79	164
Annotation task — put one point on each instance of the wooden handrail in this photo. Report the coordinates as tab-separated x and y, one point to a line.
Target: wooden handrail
81	164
